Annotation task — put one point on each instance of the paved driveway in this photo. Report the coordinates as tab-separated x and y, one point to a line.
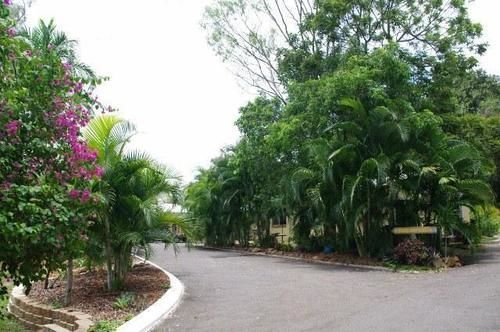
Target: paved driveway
232	292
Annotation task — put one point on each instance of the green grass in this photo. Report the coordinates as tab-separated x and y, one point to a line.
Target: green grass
408	268
7	323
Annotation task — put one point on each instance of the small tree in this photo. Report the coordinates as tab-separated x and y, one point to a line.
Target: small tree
46	169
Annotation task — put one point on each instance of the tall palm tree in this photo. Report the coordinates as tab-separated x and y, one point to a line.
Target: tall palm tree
46	38
380	156
135	190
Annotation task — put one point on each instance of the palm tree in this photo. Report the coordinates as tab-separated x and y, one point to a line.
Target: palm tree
46	38
380	156
135	190
366	144
220	200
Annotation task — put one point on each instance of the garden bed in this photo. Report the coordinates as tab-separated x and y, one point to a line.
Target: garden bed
349	259
144	285
341	258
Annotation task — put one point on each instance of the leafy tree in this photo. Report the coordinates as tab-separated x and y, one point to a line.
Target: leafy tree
273	43
249	35
346	144
47	170
483	133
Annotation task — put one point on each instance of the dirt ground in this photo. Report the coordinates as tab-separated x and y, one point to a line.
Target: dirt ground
145	283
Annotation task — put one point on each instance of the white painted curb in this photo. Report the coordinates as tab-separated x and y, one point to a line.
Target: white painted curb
158	311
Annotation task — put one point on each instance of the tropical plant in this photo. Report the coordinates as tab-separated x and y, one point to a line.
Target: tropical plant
124	301
346	145
136	191
217	200
46	38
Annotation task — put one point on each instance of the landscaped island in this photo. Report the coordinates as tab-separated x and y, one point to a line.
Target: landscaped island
72	192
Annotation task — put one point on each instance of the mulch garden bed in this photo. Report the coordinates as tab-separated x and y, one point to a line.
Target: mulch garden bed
145	282
343	258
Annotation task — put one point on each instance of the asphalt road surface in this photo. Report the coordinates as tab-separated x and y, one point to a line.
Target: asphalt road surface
228	291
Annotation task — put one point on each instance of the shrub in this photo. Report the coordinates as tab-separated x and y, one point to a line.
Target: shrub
413	252
47	171
124	301
105	326
489	221
284	247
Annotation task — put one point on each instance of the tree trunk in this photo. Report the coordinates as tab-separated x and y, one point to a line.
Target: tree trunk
46	281
109	256
69	283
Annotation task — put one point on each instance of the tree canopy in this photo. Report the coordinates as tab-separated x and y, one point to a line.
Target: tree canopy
360	125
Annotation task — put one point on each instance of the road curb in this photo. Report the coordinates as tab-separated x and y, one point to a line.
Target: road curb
300	259
158	311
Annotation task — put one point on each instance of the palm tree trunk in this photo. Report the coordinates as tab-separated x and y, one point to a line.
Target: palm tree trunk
109	255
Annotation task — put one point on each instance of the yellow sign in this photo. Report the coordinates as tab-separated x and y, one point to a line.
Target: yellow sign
415	230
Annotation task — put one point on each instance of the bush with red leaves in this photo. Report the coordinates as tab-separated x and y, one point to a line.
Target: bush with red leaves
413	252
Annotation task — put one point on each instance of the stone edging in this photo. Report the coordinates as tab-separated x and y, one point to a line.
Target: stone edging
315	261
37	316
158	311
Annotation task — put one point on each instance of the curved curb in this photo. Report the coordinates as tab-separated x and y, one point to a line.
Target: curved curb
300	259
158	311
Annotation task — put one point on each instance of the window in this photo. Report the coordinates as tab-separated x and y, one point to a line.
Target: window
279	221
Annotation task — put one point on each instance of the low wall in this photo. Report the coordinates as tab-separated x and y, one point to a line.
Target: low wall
39	317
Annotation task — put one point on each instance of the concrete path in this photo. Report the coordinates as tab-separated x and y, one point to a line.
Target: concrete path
232	292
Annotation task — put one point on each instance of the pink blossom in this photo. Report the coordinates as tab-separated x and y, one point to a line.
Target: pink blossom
67	66
11	32
7	2
12	127
85	196
99	171
74	194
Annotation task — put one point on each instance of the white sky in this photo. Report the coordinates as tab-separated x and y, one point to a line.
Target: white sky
166	79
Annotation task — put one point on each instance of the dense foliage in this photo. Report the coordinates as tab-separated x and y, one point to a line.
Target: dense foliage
360	124
46	169
65	195
135	191
413	252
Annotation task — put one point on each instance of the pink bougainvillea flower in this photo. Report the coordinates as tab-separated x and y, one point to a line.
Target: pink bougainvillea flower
85	196
11	32
7	2
74	194
99	171
67	66
12	127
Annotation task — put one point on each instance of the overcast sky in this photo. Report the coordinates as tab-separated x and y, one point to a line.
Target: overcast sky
166	79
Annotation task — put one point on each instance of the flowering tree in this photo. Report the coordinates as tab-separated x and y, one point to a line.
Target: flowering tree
46	169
